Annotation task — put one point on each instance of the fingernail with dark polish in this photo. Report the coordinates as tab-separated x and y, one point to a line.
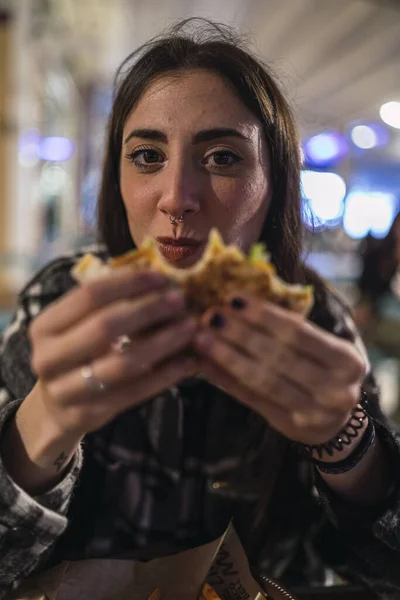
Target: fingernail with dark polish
217	321
238	303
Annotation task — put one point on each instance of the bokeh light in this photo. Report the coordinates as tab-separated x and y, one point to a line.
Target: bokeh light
364	137
369	135
53	179
390	114
324	193
28	148
56	149
368	213
325	149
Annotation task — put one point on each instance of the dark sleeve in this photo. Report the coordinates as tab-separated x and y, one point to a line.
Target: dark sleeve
372	535
29	526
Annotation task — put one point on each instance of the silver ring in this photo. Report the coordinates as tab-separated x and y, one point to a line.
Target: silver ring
122	343
92	384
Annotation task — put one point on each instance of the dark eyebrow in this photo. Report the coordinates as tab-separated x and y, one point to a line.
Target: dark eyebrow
147	134
205	135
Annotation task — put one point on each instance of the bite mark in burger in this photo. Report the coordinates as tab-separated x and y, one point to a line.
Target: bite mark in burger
222	270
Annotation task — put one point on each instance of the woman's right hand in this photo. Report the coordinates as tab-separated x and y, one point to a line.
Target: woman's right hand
80	329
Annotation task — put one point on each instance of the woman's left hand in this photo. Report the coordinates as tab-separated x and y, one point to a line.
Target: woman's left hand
303	380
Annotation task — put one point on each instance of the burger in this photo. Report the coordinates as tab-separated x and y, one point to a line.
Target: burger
222	269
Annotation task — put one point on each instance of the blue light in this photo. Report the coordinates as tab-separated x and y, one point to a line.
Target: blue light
56	149
369	212
325	149
385	214
324	193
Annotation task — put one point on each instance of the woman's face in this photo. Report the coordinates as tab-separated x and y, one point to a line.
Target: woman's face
191	147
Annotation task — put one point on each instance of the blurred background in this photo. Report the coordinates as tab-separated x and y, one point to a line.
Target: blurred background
339	64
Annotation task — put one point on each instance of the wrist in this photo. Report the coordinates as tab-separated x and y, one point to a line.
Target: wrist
368	482
345	439
354	453
34	449
41	431
345	450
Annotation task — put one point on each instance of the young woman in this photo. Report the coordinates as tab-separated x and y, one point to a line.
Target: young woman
108	453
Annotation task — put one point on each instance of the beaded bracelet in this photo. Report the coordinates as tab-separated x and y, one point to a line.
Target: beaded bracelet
345	436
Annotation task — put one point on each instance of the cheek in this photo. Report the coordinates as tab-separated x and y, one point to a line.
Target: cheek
256	193
137	198
246	197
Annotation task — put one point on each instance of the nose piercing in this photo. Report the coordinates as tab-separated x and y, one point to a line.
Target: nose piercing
172	219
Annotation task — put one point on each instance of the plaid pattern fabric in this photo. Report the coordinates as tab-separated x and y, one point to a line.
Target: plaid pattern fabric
150	482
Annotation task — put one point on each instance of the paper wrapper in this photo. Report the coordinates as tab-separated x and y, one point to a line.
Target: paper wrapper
222	563
178	577
230	574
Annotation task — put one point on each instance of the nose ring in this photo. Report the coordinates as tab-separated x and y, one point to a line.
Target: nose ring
173	221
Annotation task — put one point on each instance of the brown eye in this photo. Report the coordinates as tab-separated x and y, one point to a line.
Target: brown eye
146	159
221	159
150	156
145	156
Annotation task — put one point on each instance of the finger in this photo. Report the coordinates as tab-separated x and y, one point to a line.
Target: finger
116	369
292	330
274	356
168	374
224	380
252	374
94	336
321	384
245	337
243	368
294	424
81	301
95	409
264	315
288	394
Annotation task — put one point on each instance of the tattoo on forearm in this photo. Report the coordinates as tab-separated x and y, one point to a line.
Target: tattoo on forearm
60	461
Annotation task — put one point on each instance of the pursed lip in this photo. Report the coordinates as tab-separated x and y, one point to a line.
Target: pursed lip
182	241
181	251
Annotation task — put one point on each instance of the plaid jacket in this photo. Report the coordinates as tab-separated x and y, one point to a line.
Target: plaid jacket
145	484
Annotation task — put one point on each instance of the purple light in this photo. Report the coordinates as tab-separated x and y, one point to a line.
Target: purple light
28	146
325	149
381	132
29	138
56	149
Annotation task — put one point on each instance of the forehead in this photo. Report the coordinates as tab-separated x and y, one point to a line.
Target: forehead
193	100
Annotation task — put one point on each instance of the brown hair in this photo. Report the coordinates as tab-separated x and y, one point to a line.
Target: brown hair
200	44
